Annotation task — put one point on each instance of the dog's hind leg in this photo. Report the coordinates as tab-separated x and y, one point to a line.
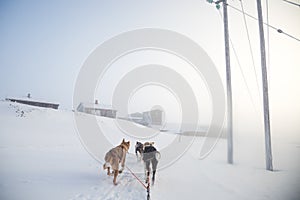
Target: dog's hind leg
106	167
153	176
154	166
138	156
147	170
148	177
141	156
116	172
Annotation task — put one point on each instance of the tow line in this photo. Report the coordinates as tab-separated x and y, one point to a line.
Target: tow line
147	187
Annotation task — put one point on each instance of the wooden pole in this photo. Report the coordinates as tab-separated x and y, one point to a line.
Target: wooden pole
229	90
268	149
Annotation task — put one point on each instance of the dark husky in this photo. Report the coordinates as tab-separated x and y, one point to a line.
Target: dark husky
150	156
114	157
139	148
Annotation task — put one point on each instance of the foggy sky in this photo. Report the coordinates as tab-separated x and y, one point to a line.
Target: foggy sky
44	44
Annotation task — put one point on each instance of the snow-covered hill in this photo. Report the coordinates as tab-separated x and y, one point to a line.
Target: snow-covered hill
43	158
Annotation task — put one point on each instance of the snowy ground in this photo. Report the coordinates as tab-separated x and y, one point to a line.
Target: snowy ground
42	158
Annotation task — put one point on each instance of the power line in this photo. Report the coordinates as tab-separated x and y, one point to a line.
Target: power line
244	77
250	46
273	27
241	70
293	3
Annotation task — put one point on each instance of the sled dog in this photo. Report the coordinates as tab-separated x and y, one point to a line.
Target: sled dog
139	148
114	157
150	156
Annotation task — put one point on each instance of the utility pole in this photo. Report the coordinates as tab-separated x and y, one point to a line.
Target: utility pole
268	149
229	90
228	81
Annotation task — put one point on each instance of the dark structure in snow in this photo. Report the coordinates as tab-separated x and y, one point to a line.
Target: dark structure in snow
97	109
32	102
154	117
148	118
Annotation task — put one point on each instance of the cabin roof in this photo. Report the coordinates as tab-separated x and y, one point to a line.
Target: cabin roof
30	100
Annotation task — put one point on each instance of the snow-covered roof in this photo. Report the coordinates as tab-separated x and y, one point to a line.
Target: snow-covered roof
31	100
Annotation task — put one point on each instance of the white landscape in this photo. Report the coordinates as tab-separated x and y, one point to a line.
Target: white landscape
137	58
42	158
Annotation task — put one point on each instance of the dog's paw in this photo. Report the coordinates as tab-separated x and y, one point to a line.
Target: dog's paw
110	173
152	183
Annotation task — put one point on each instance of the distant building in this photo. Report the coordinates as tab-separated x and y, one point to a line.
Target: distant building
153	117
33	102
137	118
97	109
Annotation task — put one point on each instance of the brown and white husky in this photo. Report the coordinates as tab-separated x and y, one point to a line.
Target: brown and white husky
114	157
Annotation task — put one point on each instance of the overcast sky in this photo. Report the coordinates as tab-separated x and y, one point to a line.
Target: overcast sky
45	43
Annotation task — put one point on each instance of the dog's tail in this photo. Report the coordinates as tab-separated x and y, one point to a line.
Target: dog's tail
157	155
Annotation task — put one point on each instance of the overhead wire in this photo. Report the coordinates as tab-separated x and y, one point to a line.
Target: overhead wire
250	47
273	27
293	3
241	70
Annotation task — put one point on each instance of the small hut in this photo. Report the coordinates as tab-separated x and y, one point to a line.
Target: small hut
148	118
97	109
153	117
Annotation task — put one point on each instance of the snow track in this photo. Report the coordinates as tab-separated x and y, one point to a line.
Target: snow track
128	187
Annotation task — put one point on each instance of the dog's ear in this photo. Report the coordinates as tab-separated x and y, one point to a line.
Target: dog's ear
151	143
123	140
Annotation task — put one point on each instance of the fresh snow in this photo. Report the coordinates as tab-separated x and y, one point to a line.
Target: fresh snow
42	158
